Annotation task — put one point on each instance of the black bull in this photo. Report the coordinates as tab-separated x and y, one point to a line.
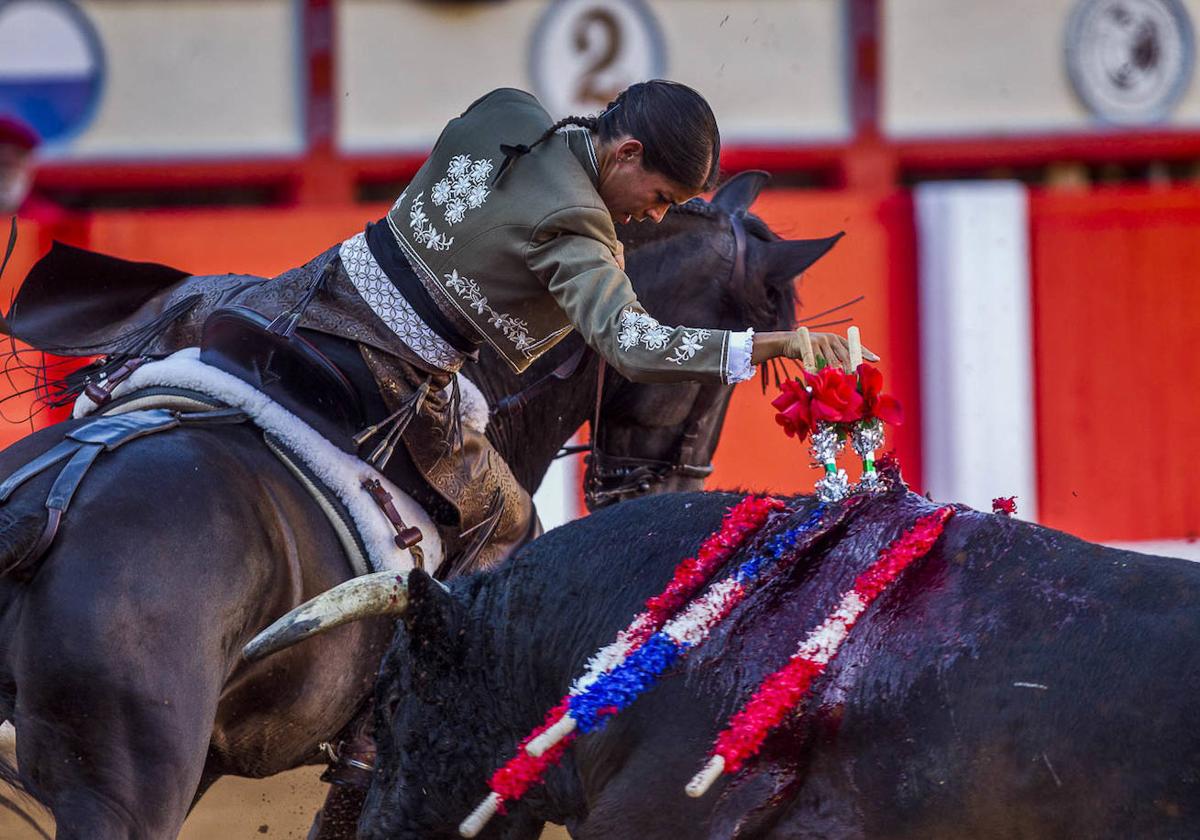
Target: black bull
1015	682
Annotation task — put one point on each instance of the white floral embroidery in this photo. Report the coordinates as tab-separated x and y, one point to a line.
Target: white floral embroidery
459	165
629	335
423	230
514	329
689	345
477	195
641	328
656	337
480	170
464	187
456	208
440	192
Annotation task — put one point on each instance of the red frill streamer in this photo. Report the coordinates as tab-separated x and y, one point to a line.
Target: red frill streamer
783	690
512	780
742	520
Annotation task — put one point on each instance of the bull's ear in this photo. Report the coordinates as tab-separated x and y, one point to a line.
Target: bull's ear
433	616
795	256
738	193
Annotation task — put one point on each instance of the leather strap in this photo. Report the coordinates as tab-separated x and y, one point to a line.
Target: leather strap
517	402
45	461
101	392
738	272
406	536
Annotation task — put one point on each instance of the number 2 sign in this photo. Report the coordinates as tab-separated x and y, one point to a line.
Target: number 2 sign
584	52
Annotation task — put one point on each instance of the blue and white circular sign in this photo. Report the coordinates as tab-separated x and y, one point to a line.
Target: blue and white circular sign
584	52
51	66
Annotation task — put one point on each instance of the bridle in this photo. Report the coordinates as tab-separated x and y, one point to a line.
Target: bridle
611	478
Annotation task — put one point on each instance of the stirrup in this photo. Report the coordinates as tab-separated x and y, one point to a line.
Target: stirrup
351	762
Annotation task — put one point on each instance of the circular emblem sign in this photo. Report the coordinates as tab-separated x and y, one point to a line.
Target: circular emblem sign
1130	60
585	52
51	66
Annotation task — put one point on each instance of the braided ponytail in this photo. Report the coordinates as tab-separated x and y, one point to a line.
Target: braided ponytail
590	123
511	153
674	124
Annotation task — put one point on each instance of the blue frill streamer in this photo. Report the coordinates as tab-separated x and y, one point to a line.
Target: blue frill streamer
614	691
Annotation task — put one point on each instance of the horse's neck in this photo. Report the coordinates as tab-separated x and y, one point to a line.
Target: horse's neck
529	439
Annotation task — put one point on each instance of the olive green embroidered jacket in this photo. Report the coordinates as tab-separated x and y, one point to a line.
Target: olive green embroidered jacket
529	256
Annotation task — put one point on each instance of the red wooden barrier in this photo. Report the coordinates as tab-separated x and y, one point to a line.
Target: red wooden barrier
876	259
1116	324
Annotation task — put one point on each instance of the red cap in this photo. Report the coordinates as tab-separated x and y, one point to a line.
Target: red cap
17	133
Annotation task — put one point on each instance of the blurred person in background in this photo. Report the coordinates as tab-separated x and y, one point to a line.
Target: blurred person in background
18	143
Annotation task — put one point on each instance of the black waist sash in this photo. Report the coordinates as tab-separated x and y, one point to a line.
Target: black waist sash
395	266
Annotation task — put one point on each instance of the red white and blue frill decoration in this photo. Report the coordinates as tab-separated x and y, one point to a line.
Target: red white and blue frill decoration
832	407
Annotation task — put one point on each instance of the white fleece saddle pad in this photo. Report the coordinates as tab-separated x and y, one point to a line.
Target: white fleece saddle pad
342	473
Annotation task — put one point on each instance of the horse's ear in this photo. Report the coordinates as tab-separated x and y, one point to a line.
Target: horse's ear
738	193
795	256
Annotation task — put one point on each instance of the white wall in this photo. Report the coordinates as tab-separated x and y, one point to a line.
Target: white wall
963	67
977	389
773	70
196	77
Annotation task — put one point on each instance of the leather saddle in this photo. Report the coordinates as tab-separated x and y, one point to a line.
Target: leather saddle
287	368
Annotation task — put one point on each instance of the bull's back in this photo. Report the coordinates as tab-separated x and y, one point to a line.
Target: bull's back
1017	682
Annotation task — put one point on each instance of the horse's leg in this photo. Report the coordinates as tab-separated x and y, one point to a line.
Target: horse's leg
118	674
134	772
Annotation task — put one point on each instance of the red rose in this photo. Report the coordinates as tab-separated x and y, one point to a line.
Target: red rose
835	397
793	404
875	403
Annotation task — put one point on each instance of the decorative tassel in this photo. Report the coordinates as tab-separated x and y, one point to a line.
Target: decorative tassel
455	431
396	423
286	322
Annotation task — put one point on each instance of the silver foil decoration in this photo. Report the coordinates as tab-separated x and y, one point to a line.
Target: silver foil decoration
833	487
826	443
871	482
866	437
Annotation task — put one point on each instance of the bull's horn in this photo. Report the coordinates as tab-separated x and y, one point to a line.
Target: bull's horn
381	593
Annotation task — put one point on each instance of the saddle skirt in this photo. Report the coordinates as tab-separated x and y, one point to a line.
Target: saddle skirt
343	474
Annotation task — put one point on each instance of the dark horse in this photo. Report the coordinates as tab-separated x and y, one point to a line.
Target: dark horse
119	655
1014	682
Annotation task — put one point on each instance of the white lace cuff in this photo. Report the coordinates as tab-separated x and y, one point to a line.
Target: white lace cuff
738	368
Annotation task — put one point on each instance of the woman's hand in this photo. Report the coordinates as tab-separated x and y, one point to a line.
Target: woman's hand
836	350
832	347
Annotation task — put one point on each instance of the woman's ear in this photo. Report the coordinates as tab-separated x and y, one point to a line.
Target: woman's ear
629	150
